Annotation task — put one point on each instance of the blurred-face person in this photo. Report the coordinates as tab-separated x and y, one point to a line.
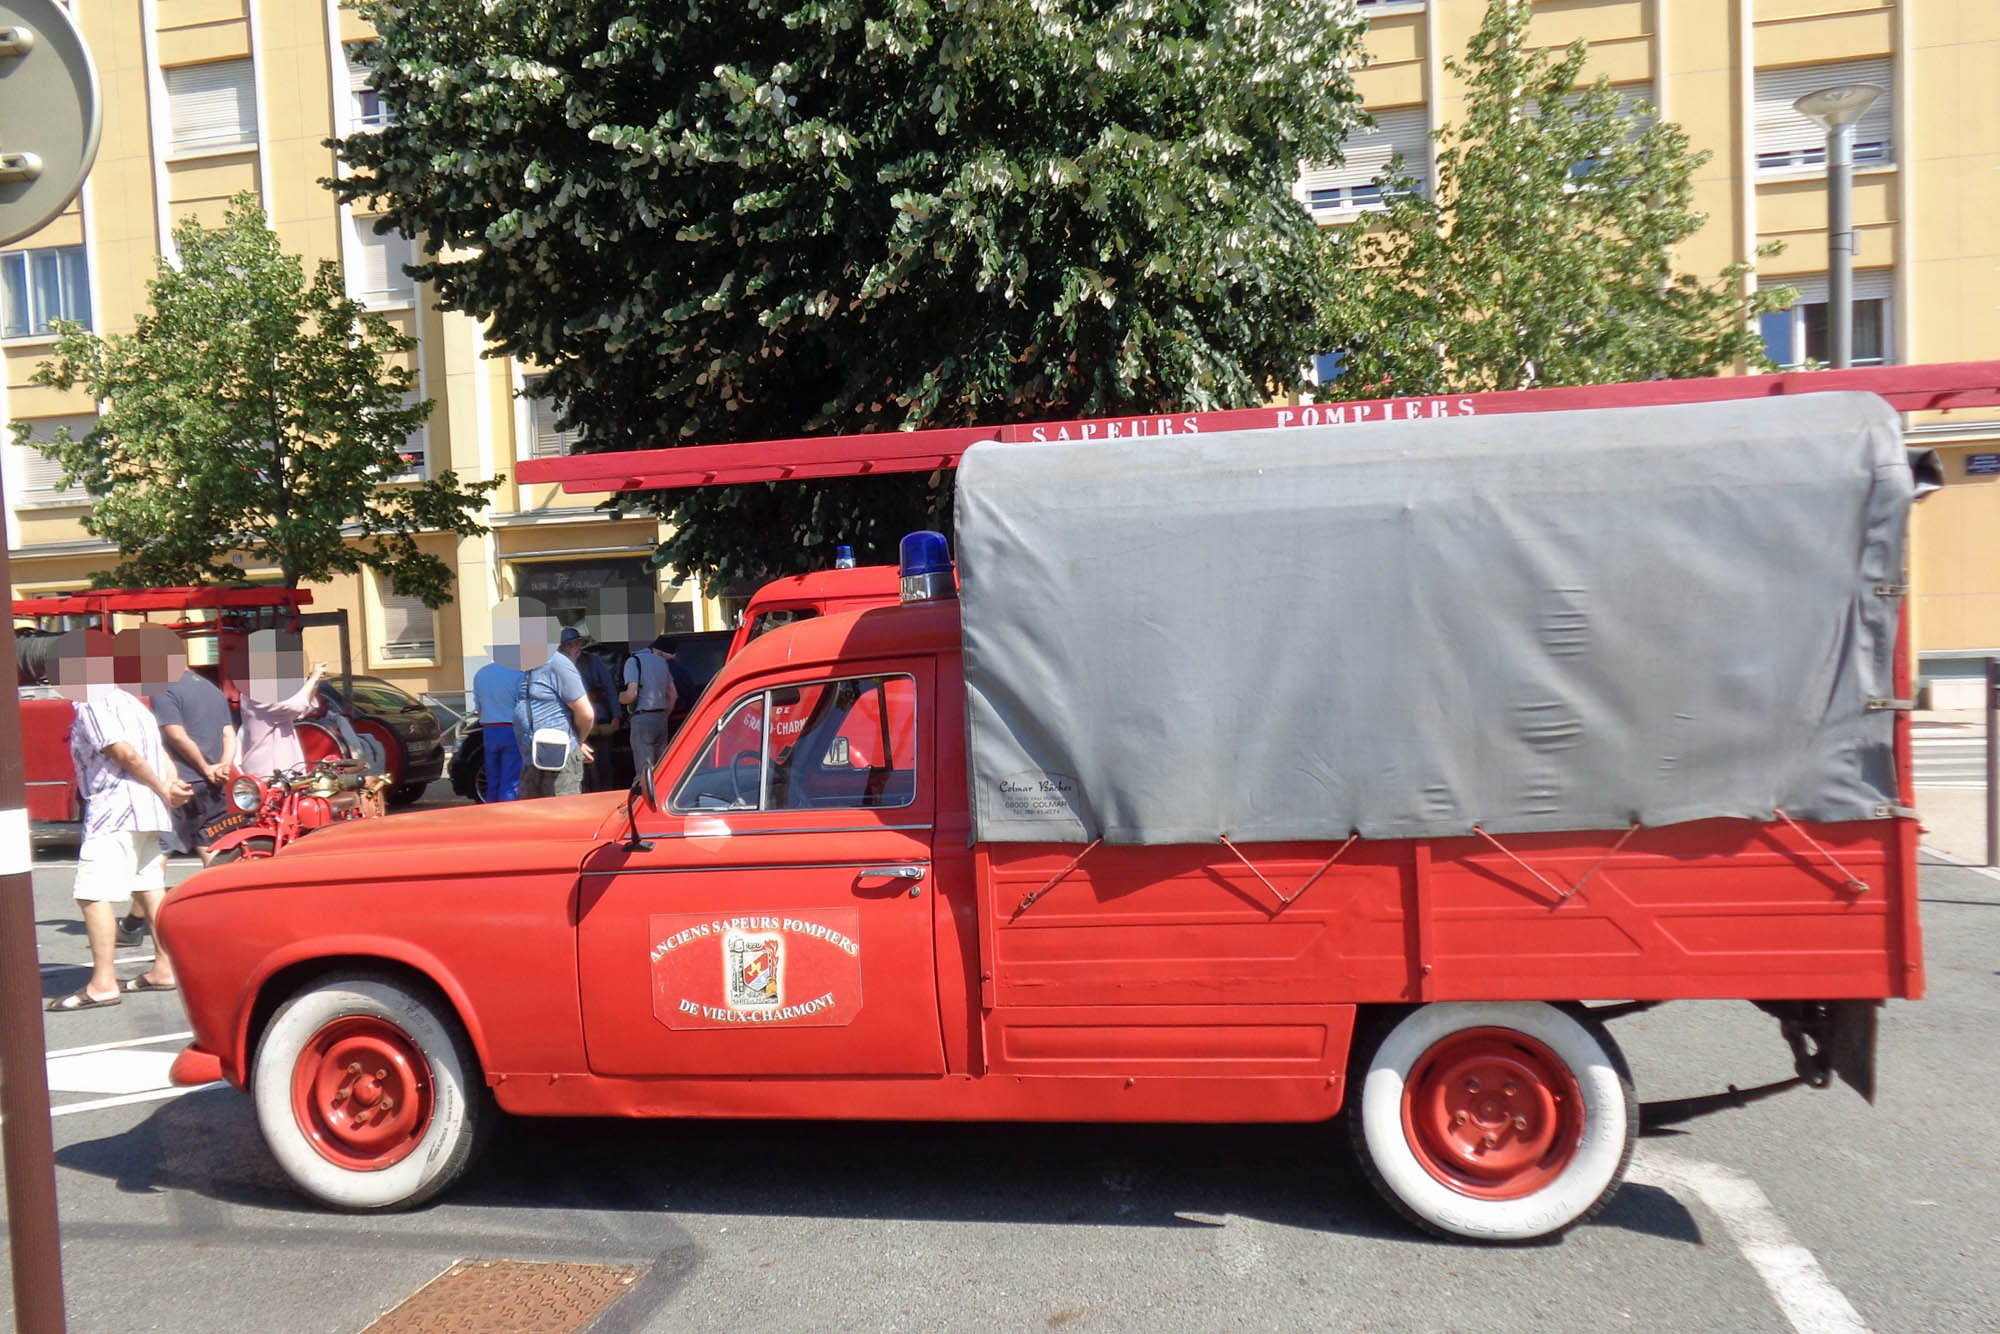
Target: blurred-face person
130	789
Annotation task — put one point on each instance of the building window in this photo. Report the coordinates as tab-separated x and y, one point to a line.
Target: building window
376	276
39	287
42	476
1788	141
365	108
409	628
1352	186
212	108
416	447
1634	100
1796	336
546	439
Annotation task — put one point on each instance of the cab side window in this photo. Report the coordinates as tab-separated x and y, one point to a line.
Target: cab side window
844	744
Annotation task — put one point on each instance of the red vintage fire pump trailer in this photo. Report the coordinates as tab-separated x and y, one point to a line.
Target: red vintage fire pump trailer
1257	774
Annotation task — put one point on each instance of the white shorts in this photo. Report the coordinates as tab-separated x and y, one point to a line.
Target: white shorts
118	864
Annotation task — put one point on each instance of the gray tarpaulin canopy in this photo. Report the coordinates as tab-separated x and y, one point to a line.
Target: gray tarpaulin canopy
1542	621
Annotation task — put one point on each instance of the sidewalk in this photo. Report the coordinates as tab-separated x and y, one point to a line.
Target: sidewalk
1954	818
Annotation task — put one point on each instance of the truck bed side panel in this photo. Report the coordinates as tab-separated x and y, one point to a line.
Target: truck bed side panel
1720	909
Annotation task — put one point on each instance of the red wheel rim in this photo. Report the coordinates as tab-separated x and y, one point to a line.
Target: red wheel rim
362	1093
1492	1113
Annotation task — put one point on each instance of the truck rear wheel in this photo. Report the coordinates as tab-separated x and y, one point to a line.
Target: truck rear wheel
1494	1121
368	1093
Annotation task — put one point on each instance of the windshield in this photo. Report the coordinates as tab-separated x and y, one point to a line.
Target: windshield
771	620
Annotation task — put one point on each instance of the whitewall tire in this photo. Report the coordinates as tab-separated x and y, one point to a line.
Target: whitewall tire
368	1092
1494	1121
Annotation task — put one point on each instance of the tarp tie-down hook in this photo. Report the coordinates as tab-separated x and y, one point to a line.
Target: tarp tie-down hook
1028	901
1854	882
1286	900
1609	853
1547	883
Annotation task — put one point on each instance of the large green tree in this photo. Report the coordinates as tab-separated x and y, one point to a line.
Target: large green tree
718	222
1544	255
253	411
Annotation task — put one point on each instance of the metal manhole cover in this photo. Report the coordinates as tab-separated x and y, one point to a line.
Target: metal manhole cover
509	1297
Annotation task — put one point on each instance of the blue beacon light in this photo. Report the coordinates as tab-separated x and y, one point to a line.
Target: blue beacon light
926	568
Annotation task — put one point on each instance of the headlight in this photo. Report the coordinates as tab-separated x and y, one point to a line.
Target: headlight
246	794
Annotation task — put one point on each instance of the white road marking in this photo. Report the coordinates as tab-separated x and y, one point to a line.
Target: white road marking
153	1041
111	1072
1801	1288
1929	851
152	1095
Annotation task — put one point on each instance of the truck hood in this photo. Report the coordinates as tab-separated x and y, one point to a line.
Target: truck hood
550	833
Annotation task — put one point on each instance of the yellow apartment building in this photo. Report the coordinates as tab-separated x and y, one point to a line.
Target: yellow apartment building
1926	205
204	98
207	97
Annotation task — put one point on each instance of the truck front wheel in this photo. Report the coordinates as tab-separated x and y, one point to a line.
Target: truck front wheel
1494	1121
369	1093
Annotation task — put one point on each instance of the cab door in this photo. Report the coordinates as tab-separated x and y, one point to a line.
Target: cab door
781	922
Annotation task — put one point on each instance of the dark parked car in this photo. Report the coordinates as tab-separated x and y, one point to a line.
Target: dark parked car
700	652
411	741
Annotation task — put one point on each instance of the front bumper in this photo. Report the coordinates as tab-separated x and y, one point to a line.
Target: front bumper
194	1067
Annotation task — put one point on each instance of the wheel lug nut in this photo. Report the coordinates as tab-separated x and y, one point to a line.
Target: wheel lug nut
381	1074
1458	1119
1520	1123
387	1103
1490	1141
1472	1086
1512	1088
354	1067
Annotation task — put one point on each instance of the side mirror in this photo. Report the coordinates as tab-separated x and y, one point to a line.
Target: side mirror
641	786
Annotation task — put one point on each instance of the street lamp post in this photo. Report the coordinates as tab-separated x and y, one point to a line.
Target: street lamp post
1835	110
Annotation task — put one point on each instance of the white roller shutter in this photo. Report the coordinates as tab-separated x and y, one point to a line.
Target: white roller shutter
416	445
41	476
408	627
1869	285
546	441
1788	140
377	274
212	106
1404	130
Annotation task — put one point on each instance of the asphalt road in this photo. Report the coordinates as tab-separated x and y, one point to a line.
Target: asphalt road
1809	1212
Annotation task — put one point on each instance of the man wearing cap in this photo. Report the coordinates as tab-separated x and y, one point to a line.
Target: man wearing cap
650	693
552	697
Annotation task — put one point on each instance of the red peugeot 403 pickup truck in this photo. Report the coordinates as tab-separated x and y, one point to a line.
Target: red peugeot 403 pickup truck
1246	777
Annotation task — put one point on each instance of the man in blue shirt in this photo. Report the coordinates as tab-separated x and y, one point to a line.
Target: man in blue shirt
494	689
552	697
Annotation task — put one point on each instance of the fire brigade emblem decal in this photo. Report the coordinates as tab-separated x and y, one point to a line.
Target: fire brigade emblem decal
753	966
795	970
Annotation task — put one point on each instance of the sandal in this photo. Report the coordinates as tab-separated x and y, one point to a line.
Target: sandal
143	983
80	999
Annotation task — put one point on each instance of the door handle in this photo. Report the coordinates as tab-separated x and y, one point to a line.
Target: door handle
907	871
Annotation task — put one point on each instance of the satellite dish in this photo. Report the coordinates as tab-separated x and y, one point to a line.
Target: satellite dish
51	114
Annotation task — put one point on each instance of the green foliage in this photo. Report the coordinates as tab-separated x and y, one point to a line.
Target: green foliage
761	219
253	412
1544	255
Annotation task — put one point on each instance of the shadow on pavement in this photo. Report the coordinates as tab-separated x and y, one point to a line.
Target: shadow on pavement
1095	1175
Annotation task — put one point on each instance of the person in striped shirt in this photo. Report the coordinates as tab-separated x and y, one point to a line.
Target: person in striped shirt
129	790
